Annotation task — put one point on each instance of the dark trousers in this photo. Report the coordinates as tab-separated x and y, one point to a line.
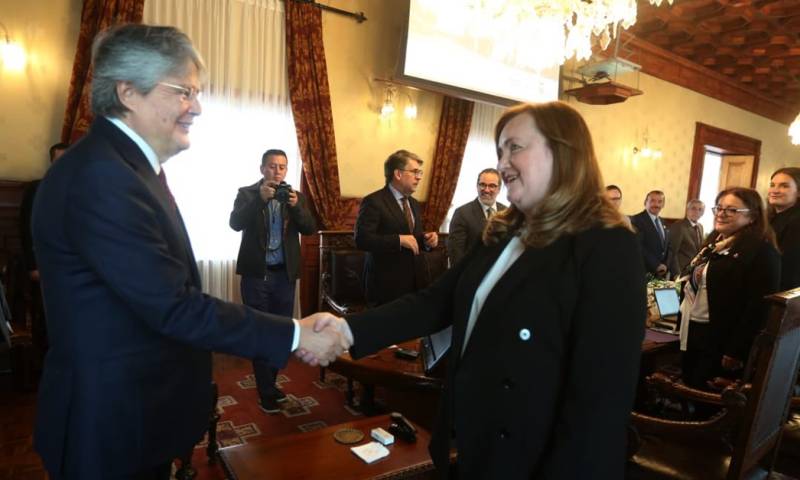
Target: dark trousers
702	360
272	294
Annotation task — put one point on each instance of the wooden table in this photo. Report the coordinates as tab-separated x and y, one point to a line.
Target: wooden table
317	456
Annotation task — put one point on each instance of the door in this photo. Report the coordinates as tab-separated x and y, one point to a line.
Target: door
736	171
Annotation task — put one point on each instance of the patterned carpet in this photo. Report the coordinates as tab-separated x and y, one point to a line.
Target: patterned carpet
311	404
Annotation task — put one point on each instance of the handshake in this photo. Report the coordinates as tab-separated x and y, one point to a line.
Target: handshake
323	337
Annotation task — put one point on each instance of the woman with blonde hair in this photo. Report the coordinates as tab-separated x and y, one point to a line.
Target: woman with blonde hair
547	317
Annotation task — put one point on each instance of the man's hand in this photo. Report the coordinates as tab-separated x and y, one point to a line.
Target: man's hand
292	198
431	239
322	339
661	270
266	191
409	242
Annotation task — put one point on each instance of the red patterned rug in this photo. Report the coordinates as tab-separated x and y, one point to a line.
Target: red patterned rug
311	405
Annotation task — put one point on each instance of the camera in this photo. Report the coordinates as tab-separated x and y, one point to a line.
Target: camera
282	191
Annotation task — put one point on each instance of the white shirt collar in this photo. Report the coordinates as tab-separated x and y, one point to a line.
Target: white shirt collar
148	151
484	206
397	195
693	224
652	217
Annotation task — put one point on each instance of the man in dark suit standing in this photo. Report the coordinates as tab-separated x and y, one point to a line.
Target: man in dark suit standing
271	216
389	229
126	385
468	221
652	234
686	237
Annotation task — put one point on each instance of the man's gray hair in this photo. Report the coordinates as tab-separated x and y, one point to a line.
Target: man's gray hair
695	201
140	54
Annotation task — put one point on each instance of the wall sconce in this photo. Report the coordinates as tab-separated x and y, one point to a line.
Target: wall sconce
394	98
646	151
12	54
387	109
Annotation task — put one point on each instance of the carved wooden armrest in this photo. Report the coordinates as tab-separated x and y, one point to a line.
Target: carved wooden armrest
671	387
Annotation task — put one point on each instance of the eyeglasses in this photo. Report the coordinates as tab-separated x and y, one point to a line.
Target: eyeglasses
728	211
188	94
416	172
490	186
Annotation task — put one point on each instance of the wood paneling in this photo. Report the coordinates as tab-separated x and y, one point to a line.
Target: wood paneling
745	53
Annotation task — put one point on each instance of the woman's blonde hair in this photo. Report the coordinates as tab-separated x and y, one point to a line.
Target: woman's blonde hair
575	200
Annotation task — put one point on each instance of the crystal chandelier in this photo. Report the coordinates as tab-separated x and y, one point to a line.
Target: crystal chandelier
537	34
794	131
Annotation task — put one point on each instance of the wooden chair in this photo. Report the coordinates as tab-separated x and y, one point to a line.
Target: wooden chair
742	440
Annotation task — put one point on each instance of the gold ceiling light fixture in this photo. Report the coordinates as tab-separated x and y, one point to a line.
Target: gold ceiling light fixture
537	34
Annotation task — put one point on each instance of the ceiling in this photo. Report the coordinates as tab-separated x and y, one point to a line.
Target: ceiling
744	52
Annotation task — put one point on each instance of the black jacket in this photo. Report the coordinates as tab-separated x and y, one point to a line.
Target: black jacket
546	382
250	216
654	251
787	231
736	284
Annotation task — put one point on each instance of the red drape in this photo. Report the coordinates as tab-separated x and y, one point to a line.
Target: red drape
95	17
454	126
311	106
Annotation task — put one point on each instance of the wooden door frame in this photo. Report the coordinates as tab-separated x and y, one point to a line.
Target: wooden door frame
724	142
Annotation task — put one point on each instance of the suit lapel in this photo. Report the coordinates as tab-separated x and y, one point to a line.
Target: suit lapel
478	217
391	205
135	158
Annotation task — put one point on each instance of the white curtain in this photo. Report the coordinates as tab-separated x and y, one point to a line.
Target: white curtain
479	153
246	111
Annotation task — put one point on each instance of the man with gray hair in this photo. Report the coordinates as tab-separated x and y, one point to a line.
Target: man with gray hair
469	220
686	237
389	229
126	385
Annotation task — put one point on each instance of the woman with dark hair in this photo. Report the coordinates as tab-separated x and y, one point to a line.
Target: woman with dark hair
547	313
723	306
784	216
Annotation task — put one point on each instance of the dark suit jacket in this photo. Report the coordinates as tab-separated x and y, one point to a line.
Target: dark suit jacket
545	386
126	382
250	216
736	284
389	271
466	229
787	230
683	245
25	211
654	251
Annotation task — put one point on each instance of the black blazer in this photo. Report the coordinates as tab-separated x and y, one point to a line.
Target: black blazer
546	383
389	270
683	245
653	249
250	216
25	212
126	382
736	284
787	231
466	229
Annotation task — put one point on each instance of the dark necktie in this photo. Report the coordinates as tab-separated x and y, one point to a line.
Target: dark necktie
489	213
698	234
162	177
407	213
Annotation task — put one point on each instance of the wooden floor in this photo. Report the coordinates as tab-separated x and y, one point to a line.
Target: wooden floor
18	461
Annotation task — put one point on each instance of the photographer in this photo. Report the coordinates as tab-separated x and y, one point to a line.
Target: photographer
270	215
